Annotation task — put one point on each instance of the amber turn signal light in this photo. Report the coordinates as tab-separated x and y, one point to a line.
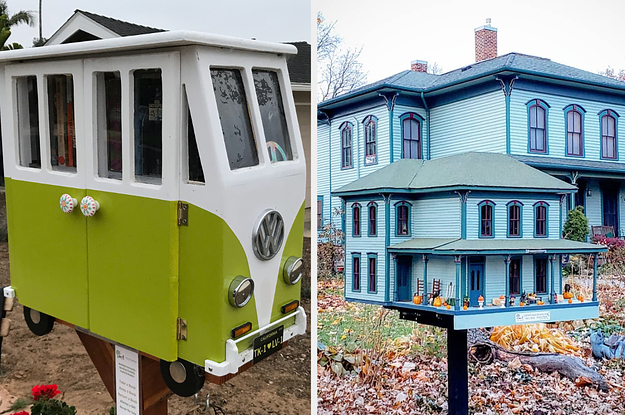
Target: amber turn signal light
287	308
242	329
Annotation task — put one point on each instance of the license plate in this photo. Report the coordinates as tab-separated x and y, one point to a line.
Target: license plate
268	343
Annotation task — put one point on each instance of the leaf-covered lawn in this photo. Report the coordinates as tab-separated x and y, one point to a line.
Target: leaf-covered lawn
370	362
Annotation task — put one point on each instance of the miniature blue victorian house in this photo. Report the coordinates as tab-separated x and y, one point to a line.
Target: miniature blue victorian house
458	185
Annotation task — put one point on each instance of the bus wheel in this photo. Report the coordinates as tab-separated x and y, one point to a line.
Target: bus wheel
182	378
39	323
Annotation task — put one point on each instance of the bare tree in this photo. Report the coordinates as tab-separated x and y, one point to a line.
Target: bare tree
340	70
435	69
610	73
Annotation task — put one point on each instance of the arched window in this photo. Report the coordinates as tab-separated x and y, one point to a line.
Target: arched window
356	219
609	130
346	145
574	116
487	219
402	218
537	122
371	139
541	219
411	136
373	218
515	219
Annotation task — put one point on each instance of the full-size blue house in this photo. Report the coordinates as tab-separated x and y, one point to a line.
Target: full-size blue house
461	182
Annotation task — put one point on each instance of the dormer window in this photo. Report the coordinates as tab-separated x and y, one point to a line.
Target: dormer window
609	128
537	121
574	130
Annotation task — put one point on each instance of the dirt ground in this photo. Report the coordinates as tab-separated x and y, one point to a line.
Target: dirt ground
278	385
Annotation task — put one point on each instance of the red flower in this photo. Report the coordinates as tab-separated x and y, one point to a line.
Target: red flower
45	392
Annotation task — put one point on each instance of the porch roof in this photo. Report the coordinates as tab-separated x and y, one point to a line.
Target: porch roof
441	246
473	170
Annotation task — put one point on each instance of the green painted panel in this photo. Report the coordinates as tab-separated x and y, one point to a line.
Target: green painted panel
210	258
133	272
48	250
285	293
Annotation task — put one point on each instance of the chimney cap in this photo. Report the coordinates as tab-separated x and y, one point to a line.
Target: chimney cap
487	26
417	61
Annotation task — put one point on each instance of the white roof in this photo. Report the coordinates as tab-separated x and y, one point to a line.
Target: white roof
142	42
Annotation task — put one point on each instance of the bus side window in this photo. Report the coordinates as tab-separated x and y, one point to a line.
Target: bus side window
109	124
196	173
148	125
28	121
61	112
234	115
272	113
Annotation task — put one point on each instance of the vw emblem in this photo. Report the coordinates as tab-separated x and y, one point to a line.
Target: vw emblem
268	235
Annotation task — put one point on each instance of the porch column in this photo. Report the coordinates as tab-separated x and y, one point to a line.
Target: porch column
548	282
425	277
507	262
594	277
458	261
552	293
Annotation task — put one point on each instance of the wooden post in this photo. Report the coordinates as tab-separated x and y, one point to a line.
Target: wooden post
594	277
153	392
552	295
507	262
425	279
458	261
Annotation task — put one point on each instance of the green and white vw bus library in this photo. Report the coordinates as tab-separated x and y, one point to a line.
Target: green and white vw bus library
155	196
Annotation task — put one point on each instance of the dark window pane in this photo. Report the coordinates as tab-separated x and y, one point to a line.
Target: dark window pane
272	114
28	121
148	125
196	172
61	115
109	124
234	115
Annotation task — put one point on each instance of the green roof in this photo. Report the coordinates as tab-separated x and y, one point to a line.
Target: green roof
494	246
482	171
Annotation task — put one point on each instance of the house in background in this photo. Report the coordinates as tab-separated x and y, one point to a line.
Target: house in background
474	172
559	119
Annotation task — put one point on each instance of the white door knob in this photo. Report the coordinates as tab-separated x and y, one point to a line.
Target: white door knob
67	203
88	206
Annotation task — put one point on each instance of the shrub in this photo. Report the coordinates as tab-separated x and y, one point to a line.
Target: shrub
329	248
576	226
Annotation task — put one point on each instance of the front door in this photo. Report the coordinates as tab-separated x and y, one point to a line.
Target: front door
610	207
476	283
404	264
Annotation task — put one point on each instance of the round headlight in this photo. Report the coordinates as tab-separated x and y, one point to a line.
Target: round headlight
241	290
293	270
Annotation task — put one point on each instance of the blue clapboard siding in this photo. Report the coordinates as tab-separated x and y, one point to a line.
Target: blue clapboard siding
437	217
594	208
323	168
365	244
501	213
473	124
556	124
397	131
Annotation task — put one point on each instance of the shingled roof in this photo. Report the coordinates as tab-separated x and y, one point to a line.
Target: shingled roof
512	62
119	26
299	65
472	170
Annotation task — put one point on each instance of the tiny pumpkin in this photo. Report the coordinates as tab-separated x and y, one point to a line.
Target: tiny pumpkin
437	302
567	295
522	304
570	300
465	307
417	299
448	306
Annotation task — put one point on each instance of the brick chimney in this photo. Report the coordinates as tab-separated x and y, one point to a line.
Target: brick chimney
485	42
419	66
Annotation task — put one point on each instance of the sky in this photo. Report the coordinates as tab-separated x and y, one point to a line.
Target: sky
270	20
586	35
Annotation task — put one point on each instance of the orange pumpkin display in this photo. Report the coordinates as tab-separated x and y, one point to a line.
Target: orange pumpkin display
567	295
437	302
417	299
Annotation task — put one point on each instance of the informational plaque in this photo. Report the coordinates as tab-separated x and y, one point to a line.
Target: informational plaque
127	381
532	317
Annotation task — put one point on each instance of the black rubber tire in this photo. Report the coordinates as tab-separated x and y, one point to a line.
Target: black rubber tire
193	381
43	326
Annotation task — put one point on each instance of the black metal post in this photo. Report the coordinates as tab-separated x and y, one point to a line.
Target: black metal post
458	372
